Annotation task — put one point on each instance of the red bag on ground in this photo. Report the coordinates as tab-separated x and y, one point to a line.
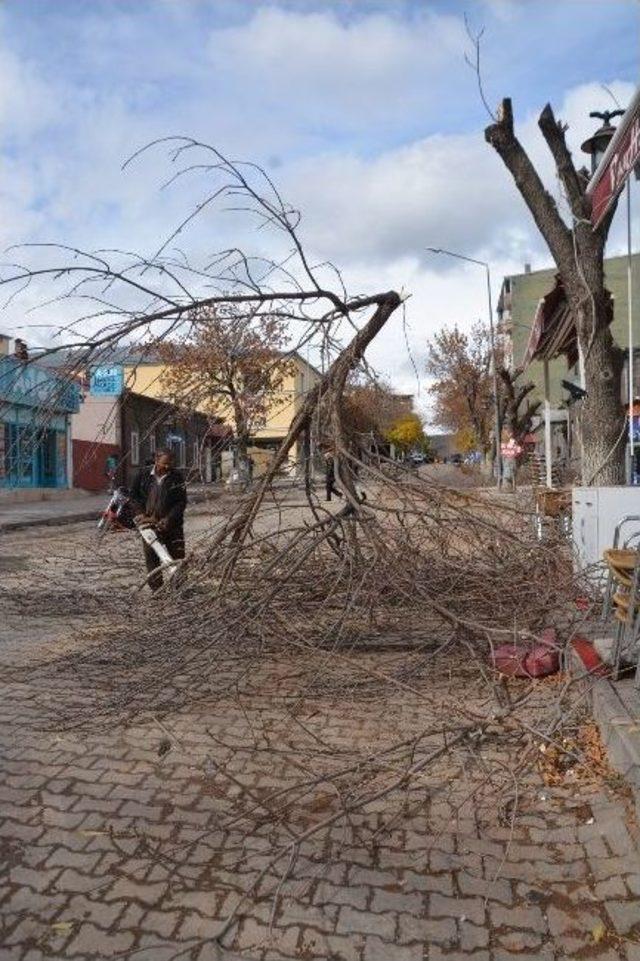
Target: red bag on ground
534	660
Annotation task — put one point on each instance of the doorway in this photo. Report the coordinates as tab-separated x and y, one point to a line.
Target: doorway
47	459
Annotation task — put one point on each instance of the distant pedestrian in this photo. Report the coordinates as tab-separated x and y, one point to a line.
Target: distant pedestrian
330	476
510	450
110	470
160	496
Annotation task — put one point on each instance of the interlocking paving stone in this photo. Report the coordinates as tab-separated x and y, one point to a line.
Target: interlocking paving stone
467	908
429	930
624	914
97	833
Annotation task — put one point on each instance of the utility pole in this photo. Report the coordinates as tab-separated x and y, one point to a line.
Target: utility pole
492	343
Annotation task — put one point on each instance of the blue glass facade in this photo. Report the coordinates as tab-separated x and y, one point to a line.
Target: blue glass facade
35	410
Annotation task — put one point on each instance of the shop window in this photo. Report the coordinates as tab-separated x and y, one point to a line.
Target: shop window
19	456
134	448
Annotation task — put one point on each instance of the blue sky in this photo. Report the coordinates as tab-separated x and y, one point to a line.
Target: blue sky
364	112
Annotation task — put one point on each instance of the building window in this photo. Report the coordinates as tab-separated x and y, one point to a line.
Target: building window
134	447
152	444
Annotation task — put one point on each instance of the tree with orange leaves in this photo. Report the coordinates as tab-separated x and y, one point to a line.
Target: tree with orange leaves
230	363
462	391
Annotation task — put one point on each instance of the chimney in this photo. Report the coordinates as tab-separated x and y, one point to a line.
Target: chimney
20	350
527	268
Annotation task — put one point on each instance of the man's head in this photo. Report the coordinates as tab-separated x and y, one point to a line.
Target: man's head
163	461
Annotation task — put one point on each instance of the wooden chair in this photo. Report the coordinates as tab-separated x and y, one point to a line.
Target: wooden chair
620	558
625	604
554	507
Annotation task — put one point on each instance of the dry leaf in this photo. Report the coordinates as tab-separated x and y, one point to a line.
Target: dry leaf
598	932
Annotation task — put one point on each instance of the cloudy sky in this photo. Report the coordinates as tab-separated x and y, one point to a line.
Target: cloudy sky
364	113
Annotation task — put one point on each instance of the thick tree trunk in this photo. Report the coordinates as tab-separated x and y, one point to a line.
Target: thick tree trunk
242	438
602	415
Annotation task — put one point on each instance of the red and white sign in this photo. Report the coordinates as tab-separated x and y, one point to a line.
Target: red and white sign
622	155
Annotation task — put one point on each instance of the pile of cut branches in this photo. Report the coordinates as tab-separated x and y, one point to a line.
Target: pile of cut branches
348	647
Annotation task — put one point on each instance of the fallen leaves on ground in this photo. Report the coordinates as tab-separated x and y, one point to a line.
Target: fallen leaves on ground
581	757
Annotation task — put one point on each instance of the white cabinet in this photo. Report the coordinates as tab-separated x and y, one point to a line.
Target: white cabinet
596	512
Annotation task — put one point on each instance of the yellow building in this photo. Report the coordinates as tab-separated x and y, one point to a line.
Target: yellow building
144	375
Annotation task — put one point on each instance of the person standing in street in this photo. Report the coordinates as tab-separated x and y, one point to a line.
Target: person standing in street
510	450
330	476
160	497
110	470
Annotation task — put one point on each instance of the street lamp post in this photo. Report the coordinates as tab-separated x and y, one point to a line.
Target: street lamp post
492	340
596	145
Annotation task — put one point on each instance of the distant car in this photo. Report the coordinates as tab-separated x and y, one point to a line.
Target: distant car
417	458
456	459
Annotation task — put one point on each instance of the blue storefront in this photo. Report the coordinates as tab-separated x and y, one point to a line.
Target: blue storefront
35	425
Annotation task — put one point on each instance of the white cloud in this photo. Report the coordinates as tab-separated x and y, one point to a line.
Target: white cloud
374	69
442	191
26	106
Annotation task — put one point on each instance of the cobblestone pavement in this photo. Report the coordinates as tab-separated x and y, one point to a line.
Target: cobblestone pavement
111	843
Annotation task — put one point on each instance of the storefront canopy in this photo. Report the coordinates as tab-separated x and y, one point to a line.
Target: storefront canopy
553	332
29	385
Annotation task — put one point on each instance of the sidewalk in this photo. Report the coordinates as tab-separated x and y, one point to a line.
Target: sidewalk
74	509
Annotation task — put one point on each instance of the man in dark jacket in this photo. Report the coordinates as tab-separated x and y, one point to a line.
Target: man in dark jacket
160	498
330	476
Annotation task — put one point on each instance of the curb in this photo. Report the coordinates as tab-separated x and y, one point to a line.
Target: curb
620	731
617	722
62	520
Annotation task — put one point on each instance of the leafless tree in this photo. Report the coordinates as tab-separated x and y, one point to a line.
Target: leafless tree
578	251
127	297
516	409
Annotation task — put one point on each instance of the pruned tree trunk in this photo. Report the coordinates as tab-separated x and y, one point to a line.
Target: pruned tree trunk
516	411
578	252
602	417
